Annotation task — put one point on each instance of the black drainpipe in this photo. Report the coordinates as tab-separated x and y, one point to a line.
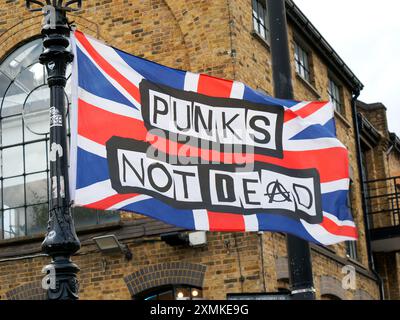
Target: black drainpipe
371	263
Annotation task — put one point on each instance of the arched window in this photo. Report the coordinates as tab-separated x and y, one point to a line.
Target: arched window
24	137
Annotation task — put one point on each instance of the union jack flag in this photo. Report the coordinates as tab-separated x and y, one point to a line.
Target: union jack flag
106	103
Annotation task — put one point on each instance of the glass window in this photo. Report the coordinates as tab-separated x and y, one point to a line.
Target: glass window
24	137
260	19
14	223
335	96
302	63
351	249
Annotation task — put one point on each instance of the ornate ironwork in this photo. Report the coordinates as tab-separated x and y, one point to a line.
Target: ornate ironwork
61	241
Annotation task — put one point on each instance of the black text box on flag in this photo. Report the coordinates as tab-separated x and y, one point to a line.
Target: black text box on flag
137	167
223	123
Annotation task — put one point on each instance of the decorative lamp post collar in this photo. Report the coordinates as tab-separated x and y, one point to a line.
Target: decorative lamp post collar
37	5
61	241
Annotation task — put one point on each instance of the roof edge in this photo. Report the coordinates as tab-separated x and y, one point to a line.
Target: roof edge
324	47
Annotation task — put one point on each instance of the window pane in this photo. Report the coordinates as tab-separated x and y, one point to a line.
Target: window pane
262	32
22	58
37	217
255	24
14	223
109	216
11	131
305	61
4	83
30	78
12	160
182	293
13	101
36	112
36	188
13	192
84	217
35	157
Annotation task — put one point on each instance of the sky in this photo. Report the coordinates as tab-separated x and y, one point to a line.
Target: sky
366	35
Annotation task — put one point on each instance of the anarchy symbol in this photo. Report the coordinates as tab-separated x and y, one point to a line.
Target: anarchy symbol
276	190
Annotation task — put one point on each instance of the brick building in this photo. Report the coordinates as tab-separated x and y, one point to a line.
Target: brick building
223	38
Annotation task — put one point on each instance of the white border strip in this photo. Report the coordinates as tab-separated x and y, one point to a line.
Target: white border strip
201	220
251	222
73	121
191	81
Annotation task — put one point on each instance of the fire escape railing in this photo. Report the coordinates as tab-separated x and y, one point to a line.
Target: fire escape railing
383	199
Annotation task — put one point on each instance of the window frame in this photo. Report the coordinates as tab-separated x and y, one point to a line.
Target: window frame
303	70
258	22
337	101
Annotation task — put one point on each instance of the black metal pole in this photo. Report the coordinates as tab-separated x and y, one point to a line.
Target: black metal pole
298	250
61	241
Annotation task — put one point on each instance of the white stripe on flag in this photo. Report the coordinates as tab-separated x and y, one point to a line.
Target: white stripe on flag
312	144
320	234
251	222
298	106
93	193
126	202
116	61
201	220
191	81
237	90
92	147
335	219
109	105
336	185
295	126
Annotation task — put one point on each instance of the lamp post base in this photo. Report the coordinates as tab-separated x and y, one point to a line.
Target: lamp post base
65	285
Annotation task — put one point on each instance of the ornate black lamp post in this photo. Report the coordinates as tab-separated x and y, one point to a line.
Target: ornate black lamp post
61	241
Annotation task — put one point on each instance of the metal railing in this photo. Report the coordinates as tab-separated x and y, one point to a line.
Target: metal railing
383	198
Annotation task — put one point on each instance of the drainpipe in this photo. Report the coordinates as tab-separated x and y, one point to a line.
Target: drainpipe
371	263
298	250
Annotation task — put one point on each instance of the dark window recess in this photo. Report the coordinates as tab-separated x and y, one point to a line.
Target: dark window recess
172	292
351	249
335	96
260	19
351	246
24	144
302	62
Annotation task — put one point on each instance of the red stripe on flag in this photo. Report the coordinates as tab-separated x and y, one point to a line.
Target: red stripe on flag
345	231
225	222
214	87
310	108
289	115
304	112
324	160
331	163
107	67
99	125
110	201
